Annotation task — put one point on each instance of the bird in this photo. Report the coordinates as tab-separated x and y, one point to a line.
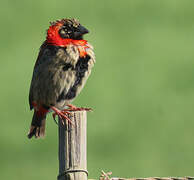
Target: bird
63	65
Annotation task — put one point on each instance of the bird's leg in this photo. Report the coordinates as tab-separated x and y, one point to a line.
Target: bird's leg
61	114
74	108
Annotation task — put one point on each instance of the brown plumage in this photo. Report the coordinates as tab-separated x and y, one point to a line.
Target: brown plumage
63	65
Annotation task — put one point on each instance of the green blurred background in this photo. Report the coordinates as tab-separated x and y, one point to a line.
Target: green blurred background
141	89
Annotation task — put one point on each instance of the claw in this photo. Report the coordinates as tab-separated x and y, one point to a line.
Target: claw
54	115
66	112
62	115
74	108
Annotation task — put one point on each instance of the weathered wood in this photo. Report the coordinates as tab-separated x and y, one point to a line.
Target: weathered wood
106	176
151	178
72	147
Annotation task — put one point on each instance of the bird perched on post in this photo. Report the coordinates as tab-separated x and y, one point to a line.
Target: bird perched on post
63	65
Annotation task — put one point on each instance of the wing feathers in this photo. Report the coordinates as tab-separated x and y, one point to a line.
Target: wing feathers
53	74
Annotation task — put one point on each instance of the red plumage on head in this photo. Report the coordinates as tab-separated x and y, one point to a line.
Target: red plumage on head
53	37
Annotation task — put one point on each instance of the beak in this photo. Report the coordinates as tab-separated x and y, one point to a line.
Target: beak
80	32
82	29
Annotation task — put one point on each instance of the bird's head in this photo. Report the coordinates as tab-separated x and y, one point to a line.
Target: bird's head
72	29
65	31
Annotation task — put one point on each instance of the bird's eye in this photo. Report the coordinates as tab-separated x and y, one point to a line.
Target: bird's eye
62	31
66	32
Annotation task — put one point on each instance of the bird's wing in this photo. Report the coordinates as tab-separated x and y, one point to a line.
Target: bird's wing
53	75
38	61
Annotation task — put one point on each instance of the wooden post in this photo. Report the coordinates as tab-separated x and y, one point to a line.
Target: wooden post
72	148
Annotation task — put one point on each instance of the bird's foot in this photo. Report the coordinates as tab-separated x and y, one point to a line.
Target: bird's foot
61	114
74	108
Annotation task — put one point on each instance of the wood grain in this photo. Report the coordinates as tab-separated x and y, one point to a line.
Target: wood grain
72	147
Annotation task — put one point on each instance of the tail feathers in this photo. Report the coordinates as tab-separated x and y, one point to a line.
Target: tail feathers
37	127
